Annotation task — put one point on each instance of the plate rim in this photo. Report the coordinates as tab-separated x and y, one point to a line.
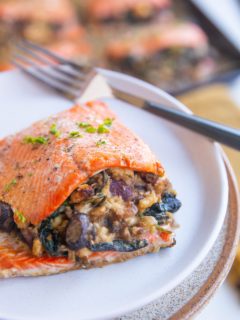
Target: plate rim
223	265
208	245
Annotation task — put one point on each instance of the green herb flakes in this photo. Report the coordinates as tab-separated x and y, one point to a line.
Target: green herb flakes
10	185
87	126
20	216
108	122
90	129
75	134
102	129
53	130
35	140
100	142
83	125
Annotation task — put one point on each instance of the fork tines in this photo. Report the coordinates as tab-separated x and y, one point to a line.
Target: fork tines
62	75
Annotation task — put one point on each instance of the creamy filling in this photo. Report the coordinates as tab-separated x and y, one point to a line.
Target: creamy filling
115	210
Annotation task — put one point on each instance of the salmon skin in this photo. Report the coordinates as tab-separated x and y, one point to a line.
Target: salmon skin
16	259
43	164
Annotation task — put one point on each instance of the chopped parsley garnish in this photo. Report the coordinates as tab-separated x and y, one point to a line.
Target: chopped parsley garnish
87	126
75	134
100	142
108	122
30	174
53	130
20	216
83	125
102	129
35	140
10	185
90	129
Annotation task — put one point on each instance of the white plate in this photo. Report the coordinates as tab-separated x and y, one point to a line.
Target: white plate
196	169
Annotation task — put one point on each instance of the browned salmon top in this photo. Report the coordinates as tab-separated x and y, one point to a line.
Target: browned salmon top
184	35
104	9
43	164
44	10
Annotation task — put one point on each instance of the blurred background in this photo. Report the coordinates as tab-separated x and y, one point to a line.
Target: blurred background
165	42
189	48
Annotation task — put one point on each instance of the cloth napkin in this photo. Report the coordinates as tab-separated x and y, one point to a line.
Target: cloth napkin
215	103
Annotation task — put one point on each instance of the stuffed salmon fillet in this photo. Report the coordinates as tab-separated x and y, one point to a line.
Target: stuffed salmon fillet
129	10
170	56
80	190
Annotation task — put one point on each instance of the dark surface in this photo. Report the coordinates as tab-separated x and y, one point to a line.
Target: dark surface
219	41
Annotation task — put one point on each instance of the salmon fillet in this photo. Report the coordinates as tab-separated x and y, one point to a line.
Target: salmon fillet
67	157
46	174
22	10
183	35
16	259
105	9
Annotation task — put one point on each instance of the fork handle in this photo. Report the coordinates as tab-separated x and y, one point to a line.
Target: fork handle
216	131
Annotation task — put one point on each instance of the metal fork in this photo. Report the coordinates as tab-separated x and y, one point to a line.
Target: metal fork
72	80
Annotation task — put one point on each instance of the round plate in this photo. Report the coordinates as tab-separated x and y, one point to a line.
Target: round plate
195	167
226	245
192	294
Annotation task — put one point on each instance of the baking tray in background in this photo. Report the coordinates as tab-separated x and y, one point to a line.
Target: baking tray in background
225	55
97	36
206	18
